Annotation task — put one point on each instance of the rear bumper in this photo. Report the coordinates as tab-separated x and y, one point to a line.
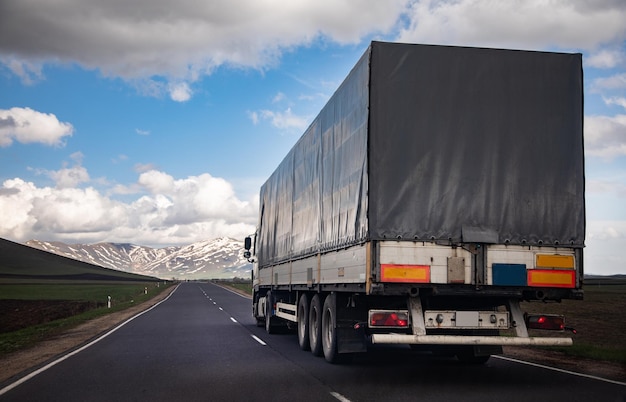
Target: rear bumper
468	340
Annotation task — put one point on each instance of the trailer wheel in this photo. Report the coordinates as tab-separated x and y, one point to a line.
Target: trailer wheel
303	322
270	326
315	325
329	332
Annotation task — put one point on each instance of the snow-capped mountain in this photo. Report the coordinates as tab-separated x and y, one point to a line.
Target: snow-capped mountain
211	259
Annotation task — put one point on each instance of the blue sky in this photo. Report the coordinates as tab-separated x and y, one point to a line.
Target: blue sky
156	125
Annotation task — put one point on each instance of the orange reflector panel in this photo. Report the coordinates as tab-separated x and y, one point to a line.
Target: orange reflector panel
555	261
551	278
405	273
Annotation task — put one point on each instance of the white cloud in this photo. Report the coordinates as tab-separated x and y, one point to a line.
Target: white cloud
69	177
77	157
616	101
157	182
606	58
28	72
54	212
517	24
27	126
144	167
285	120
607	185
614	82
138	40
174	211
605	230
604	252
180	92
605	136
254	116
279	97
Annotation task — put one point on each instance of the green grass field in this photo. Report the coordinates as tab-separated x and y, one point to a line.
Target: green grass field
95	295
598	320
94	291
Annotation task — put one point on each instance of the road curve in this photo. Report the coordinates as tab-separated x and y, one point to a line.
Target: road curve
202	344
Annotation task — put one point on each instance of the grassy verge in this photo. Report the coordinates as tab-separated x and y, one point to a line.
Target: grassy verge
123	296
594	352
597	319
240	285
244	287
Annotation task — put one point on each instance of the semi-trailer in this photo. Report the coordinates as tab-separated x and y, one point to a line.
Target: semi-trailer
438	188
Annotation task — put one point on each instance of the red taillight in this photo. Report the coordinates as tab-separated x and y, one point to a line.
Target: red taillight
545	321
389	319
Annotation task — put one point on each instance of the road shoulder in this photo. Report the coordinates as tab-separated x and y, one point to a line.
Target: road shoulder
602	369
23	362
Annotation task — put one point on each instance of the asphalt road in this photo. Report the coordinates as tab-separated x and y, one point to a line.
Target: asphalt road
202	344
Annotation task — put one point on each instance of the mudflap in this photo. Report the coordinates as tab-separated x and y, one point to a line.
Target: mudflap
349	339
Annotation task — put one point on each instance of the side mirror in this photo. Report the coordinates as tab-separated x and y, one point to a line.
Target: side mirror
247	243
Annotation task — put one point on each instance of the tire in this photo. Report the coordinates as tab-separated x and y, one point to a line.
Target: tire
315	326
303	322
329	330
260	322
270	326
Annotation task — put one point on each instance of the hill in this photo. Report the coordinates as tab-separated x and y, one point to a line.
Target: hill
20	262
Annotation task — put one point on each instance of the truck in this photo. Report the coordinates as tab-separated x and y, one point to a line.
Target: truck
437	189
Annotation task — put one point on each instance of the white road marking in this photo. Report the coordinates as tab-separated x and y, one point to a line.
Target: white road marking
340	397
221	309
593	377
258	340
233	320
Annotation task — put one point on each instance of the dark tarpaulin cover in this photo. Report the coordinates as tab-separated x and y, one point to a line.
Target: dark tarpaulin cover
435	143
483	141
317	198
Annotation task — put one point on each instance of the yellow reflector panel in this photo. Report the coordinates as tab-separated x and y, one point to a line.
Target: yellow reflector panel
552	278
555	261
405	273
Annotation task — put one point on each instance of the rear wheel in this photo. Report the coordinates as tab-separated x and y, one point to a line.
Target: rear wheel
270	326
303	322
315	325
329	332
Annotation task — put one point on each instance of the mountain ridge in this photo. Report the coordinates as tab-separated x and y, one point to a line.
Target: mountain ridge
219	258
